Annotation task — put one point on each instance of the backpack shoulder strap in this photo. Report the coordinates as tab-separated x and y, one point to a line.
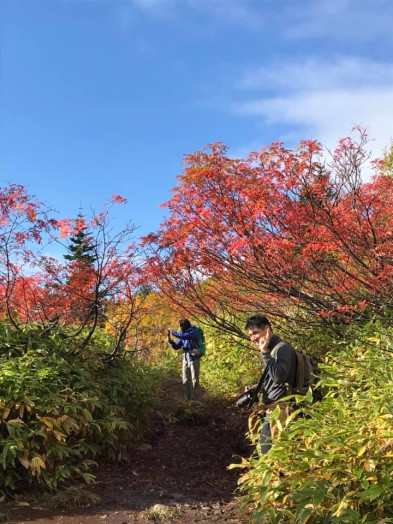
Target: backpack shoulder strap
277	347
300	371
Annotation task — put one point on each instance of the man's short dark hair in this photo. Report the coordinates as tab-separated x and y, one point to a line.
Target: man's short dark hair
257	321
184	324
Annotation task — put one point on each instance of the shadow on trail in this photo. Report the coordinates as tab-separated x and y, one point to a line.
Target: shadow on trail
181	462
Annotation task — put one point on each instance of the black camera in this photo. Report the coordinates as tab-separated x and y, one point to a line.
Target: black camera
246	399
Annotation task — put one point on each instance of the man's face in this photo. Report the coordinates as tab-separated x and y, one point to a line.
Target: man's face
257	334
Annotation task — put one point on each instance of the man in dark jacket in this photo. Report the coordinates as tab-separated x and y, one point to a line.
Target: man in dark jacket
279	360
188	342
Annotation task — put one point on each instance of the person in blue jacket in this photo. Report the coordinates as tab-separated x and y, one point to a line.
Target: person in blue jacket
188	342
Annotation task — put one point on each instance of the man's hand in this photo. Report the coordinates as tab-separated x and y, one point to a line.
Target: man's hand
168	336
250	386
264	341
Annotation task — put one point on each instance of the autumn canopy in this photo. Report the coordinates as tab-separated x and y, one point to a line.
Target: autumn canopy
292	233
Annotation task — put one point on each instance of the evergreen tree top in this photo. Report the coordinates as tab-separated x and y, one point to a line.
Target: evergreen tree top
81	247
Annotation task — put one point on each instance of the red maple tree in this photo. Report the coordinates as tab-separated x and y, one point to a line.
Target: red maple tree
72	296
284	232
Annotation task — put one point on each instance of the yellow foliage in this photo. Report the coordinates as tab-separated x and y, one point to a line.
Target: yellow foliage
36	464
6	412
24	461
146	335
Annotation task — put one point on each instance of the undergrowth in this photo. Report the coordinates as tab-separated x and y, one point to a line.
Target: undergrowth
61	409
334	462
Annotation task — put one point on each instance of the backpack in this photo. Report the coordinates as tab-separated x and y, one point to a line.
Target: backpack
200	341
307	374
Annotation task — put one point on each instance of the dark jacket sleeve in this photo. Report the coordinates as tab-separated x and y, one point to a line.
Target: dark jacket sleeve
187	338
279	366
176	345
190	334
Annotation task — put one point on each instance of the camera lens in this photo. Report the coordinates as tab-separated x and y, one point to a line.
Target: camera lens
245	398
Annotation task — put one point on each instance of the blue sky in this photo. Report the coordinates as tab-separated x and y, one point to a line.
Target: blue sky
102	97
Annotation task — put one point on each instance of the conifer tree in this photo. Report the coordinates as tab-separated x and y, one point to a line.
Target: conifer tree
81	248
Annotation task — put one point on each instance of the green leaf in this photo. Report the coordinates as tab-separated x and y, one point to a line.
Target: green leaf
276	413
309	396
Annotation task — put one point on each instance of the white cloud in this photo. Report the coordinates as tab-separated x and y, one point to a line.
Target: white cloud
300	19
339	20
240	12
324	100
344	72
233	12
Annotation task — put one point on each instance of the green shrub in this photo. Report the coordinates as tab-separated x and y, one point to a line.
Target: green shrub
334	463
226	368
228	365
192	413
61	409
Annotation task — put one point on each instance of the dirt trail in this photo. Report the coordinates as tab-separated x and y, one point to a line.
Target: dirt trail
177	474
